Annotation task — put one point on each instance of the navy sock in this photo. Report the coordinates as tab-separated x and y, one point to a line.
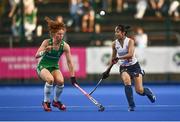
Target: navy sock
129	95
147	92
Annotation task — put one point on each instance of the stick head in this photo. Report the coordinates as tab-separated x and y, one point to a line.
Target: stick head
101	108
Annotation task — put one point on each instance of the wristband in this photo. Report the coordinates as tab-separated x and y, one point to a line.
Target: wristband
41	53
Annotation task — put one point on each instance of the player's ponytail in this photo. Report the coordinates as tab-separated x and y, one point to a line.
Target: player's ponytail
127	29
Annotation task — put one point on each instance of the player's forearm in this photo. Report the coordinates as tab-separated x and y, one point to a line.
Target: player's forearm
71	69
127	56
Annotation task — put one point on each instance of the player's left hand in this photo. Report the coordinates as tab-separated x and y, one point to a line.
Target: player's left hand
73	80
115	60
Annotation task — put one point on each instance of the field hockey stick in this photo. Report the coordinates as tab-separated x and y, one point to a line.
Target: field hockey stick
101	108
108	70
96	86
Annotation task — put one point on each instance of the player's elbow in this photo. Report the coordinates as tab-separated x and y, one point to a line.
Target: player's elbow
68	61
37	55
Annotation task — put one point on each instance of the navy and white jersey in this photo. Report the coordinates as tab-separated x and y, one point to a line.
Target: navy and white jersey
123	50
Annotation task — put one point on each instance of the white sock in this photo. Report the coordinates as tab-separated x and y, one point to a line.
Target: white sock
57	92
47	92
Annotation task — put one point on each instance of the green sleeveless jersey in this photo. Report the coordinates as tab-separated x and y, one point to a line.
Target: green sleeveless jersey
51	58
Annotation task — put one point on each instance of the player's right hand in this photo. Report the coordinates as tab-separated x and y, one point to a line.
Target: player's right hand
49	48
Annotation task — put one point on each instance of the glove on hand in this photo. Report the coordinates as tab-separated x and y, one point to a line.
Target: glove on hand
73	80
115	60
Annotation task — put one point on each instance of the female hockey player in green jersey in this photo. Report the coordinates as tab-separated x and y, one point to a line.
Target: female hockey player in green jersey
48	70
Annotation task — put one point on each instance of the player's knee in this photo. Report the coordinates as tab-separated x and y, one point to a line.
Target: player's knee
126	81
60	83
50	80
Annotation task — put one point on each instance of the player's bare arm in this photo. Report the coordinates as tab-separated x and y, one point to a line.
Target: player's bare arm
68	55
43	48
113	50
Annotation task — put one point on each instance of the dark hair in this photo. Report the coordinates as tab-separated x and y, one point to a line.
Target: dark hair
123	28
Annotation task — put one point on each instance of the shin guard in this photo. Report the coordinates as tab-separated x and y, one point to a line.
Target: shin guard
129	95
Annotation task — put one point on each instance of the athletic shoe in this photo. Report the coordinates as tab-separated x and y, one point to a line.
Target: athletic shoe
151	97
131	108
59	105
46	106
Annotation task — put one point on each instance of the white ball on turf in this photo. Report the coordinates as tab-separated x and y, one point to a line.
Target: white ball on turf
102	13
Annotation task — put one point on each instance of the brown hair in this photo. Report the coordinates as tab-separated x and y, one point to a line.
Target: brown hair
54	26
